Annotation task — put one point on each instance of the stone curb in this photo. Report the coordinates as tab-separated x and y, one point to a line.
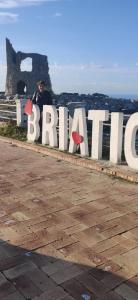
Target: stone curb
123	172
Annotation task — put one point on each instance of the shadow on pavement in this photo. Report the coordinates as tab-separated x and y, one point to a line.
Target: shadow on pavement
28	275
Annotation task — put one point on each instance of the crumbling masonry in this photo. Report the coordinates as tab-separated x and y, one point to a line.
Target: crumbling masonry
18	82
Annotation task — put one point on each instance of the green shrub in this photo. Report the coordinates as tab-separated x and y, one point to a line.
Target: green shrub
11	130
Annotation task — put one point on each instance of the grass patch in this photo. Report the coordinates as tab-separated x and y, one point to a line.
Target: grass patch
10	129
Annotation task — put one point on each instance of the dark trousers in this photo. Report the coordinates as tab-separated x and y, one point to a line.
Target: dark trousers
40	125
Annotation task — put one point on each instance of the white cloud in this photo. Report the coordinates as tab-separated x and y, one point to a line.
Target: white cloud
2	67
87	78
7	17
91	77
90	67
57	14
115	65
18	3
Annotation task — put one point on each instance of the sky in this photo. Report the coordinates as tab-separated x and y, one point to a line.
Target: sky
92	45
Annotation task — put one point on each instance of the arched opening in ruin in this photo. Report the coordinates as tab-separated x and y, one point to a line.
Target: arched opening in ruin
26	65
21	88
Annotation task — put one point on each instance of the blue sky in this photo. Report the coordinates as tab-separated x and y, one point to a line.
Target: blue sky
92	45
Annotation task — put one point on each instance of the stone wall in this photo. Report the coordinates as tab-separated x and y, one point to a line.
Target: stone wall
16	80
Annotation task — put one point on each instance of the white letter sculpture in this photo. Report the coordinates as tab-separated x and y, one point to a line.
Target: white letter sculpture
98	117
116	137
79	125
33	132
130	137
21	117
63	128
50	120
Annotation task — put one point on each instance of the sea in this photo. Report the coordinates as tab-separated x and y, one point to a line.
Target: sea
124	96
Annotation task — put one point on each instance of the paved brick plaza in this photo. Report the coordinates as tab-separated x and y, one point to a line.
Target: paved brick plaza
65	232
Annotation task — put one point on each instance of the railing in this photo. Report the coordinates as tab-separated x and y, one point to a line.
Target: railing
7	111
106	135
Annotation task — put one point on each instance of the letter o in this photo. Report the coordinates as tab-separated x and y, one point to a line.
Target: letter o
129	142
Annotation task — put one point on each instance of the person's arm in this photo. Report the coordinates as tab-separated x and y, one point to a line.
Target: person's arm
48	98
34	98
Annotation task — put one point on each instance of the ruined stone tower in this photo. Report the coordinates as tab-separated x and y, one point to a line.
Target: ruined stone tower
24	82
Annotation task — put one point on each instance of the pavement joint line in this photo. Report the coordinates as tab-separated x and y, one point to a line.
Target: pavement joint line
116	171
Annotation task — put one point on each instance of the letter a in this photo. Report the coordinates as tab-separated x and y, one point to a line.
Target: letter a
79	125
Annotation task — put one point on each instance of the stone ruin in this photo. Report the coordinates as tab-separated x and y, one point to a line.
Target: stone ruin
24	82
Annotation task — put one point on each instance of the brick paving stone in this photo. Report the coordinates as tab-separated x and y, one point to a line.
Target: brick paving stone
44	222
19	270
129	260
133	283
126	292
11	251
40	260
20	216
8	234
26	287
89	236
6	289
54	267
113	280
94	286
2	279
65	241
104	245
128	244
84	209
135	232
67	273
14	296
65	231
65	222
41	239
77	290
111	296
77	253
25	240
93	257
41	280
76	228
111	216
99	273
129	235
117	249
71	250
110	266
69	298
11	262
3	254
55	294
96	205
